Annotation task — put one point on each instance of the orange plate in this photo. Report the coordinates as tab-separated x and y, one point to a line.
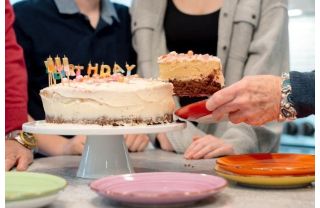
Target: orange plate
268	164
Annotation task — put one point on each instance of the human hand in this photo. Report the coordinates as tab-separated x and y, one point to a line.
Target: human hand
75	145
17	155
164	142
207	147
136	142
254	100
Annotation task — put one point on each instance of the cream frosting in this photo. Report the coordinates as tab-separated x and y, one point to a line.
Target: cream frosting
186	57
96	98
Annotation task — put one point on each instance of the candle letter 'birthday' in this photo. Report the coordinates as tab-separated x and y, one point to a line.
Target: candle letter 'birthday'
51	70
92	68
117	69
59	67
71	69
129	68
78	70
65	63
105	71
62	71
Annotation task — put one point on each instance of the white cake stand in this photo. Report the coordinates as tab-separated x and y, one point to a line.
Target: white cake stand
105	152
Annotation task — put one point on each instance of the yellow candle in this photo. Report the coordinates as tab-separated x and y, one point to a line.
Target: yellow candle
105	70
50	65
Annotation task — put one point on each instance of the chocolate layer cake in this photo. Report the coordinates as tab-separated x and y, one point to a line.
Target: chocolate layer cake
192	75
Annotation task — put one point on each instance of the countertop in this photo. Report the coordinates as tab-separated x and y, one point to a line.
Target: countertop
78	194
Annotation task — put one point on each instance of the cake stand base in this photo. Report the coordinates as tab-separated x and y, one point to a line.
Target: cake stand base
103	156
105	151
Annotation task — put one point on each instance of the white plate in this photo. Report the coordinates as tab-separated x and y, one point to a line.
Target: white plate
42	127
33	203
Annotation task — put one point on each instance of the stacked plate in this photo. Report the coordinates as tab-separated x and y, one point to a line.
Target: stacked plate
158	188
268	169
26	189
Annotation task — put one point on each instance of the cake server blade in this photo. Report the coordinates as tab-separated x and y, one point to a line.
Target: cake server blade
197	112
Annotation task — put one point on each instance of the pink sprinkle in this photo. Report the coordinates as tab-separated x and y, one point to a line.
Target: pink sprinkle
79	78
206	56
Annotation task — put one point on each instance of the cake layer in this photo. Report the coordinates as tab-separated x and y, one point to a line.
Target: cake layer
189	67
132	101
168	118
195	87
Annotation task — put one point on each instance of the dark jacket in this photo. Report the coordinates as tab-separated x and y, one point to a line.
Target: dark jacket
303	92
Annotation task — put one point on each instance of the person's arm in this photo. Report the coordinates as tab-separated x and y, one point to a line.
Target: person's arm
268	53
15	96
58	145
182	139
179	141
256	100
54	145
136	142
303	92
15	77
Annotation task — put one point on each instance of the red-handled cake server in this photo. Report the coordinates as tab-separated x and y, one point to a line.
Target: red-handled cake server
197	112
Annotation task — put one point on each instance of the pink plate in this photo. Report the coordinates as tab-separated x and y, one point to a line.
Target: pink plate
158	187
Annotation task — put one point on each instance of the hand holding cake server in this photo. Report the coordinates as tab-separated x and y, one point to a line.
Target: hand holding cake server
256	100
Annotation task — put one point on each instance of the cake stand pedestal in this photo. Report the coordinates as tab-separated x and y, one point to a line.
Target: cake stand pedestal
105	152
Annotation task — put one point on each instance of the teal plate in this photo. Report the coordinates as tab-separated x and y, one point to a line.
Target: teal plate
28	185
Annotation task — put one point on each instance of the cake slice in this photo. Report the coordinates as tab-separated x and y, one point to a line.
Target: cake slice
192	75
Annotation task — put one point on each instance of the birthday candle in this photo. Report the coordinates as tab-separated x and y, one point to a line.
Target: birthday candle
51	70
63	74
92	68
49	74
65	71
57	61
50	65
59	67
57	76
117	69
71	70
129	68
65	61
105	70
78	68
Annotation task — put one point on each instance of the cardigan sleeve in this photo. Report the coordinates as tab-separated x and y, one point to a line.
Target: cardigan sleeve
15	77
303	92
268	53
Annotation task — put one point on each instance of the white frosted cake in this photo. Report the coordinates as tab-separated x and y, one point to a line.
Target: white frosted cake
109	101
